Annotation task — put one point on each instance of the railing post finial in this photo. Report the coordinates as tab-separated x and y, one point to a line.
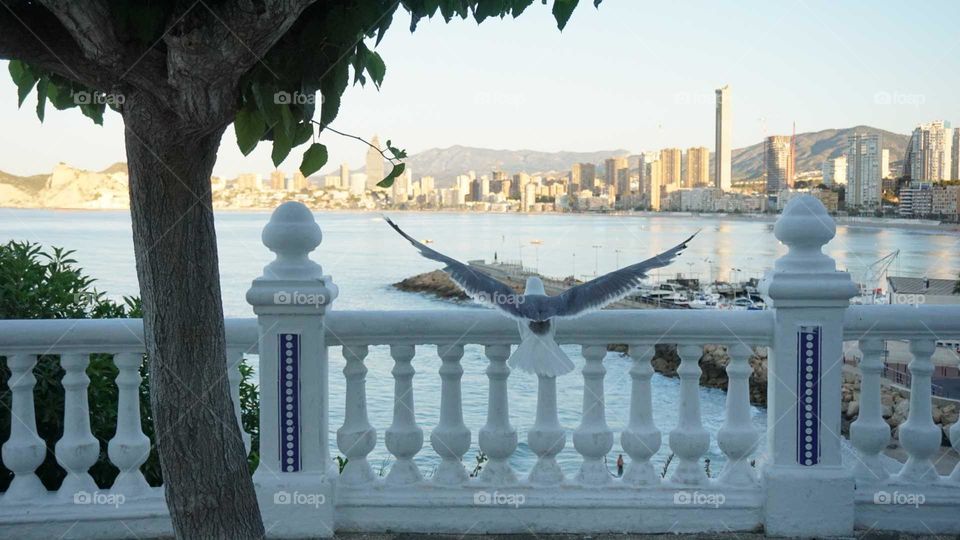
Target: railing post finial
290	300
809	297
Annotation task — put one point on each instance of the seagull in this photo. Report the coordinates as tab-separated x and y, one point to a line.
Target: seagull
535	311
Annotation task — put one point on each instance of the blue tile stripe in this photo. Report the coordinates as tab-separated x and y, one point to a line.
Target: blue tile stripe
808	395
289	402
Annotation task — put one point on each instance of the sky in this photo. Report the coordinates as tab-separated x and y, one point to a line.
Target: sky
632	74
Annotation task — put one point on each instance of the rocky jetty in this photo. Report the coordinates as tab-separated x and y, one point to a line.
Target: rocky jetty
437	283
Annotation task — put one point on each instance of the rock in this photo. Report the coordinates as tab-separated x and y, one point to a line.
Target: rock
853	408
936	413
886	411
902	407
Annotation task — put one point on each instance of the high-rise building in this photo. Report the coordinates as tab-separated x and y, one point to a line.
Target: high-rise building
885	163
400	191
955	159
864	183
671	160
344	176
623	182
358	184
644	180
698	167
426	185
375	160
520	181
723	164
778	163
611	166
277	180
654	177
299	181
930	152
835	171
582	176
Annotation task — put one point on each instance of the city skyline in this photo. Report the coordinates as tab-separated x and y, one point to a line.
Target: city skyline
419	110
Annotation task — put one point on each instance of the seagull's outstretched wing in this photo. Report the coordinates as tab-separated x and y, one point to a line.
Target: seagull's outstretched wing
608	288
476	284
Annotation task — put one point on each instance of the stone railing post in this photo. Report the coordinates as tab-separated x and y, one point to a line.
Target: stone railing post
808	491
296	475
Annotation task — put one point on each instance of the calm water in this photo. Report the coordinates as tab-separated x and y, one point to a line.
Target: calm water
364	257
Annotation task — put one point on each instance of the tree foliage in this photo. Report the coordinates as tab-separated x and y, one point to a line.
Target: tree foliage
40	284
328	47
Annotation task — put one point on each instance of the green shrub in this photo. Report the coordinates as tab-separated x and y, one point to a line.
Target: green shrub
36	284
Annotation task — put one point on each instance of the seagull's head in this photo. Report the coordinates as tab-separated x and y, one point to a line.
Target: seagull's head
534	286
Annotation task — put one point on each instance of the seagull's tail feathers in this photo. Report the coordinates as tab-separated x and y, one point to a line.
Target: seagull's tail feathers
540	355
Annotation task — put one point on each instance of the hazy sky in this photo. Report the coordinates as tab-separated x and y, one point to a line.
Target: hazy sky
633	74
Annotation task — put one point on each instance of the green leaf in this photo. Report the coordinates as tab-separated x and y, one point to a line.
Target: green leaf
249	127
282	137
376	68
302	133
396	172
24	78
42	97
313	159
93	111
562	9
519	6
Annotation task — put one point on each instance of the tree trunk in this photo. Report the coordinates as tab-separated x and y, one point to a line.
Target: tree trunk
208	488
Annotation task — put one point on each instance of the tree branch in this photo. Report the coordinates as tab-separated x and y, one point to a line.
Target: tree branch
90	25
30	33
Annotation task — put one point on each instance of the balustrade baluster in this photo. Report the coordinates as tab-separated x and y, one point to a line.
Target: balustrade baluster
403	438
234	358
919	435
641	439
689	441
77	449
451	438
593	438
129	448
24	450
738	437
498	439
869	433
356	438
547	437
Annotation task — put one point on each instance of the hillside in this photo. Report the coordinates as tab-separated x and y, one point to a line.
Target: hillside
815	148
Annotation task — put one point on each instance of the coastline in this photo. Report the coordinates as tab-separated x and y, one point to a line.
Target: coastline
845	221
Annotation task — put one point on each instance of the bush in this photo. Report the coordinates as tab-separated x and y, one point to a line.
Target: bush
36	284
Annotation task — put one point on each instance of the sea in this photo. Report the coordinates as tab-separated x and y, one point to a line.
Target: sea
365	257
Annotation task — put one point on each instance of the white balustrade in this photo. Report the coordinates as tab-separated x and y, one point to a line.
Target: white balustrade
919	436
955	442
593	438
24	450
641	439
234	359
869	433
737	436
129	448
403	438
498	439
451	438
77	450
689	441
547	437
356	438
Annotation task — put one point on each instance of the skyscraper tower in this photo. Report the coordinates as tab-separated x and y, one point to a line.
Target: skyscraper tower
722	172
374	168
